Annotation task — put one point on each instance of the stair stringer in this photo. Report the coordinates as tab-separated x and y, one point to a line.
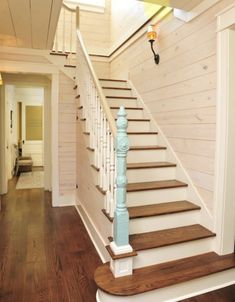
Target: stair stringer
89	201
205	217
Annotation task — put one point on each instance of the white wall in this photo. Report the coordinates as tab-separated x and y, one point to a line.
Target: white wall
180	92
127	17
67	140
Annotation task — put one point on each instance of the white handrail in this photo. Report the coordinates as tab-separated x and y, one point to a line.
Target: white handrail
98	87
99	123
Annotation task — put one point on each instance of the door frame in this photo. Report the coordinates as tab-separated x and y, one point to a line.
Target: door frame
225	140
53	72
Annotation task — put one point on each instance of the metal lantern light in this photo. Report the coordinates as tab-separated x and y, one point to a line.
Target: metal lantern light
152	35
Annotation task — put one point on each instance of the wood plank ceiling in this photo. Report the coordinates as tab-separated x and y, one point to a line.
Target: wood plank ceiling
28	23
186	5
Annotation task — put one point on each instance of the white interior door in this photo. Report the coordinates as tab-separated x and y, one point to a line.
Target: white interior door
32	132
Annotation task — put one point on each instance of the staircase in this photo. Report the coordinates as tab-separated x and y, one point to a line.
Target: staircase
171	244
170	229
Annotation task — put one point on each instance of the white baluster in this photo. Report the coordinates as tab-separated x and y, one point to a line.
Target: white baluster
112	176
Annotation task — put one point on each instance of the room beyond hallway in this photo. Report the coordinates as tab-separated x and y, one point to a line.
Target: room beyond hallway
46	254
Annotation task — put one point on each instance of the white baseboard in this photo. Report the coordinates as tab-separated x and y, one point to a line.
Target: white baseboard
93	233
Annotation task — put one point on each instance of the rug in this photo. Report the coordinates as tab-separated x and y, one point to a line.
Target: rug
30	180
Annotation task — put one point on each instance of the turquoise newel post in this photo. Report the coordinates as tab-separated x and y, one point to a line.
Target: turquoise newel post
121	215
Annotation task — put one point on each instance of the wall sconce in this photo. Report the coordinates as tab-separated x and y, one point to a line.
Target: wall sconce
152	35
1	81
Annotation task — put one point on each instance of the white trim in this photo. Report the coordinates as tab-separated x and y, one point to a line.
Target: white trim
55	138
225	148
27	67
23	51
206	218
195	12
94	233
225	19
118	250
3	168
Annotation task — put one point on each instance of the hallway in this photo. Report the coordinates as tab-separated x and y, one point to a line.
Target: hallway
45	253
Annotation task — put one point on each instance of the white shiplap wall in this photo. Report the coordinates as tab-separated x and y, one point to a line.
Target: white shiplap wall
127	17
95	29
67	139
181	91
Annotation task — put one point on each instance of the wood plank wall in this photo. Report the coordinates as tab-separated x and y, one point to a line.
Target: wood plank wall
88	196
181	91
95	29
127	17
67	138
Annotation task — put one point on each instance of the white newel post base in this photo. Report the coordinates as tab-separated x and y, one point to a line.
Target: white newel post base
123	266
123	249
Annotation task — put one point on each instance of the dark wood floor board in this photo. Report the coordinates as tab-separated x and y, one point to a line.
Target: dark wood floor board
46	254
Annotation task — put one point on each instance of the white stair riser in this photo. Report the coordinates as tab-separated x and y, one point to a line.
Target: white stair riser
141	126
130	113
134	156
139	198
113	84
117	92
161	222
142	139
122	102
172	252
150	174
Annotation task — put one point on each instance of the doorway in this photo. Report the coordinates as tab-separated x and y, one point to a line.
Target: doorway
28	129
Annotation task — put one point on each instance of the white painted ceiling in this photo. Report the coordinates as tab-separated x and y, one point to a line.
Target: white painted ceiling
28	23
186	5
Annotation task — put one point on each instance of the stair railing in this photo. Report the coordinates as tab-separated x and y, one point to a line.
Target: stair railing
99	123
65	36
110	145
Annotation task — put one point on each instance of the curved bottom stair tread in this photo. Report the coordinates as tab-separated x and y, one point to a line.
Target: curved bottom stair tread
162	275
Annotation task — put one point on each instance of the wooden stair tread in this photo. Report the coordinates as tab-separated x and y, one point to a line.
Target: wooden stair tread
137	119
58	53
155	185
162	275
70	66
161	164
139	133
117	88
168	237
147	147
127	108
161	209
122	97
113	80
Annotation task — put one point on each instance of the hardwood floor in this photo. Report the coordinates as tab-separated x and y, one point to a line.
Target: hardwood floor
47	256
45	253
